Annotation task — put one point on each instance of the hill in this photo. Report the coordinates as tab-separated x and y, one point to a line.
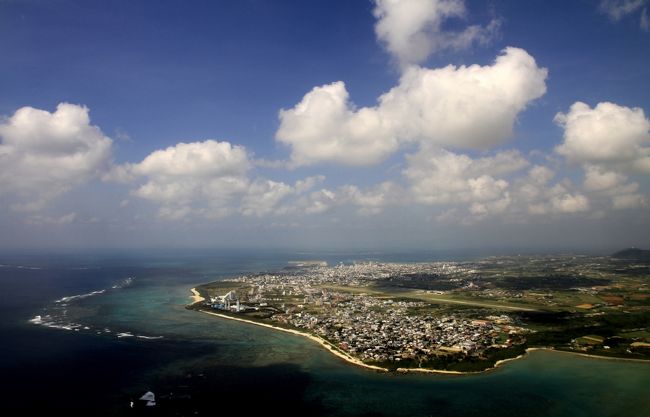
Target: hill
633	253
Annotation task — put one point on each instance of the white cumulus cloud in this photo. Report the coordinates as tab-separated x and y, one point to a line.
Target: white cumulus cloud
266	197
325	126
413	29
570	203
471	107
437	176
206	159
613	185
43	154
598	179
606	134
199	177
210	180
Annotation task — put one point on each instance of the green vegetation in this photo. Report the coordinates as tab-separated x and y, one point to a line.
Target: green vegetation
594	305
456	362
643	335
548	282
602	334
633	254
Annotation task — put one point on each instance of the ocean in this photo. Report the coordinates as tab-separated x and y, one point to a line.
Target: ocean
87	334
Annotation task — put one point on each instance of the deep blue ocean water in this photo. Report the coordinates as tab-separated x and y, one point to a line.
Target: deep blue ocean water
129	333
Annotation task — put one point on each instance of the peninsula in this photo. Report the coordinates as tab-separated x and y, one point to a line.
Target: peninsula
450	317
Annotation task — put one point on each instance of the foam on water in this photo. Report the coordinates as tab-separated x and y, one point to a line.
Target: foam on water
57	314
79	296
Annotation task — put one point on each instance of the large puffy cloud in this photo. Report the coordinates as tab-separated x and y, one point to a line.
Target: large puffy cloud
437	176
266	197
199	159
532	190
608	140
325	126
467	107
472	189
607	134
598	179
412	29
199	177
623	194
602	190
43	154
209	179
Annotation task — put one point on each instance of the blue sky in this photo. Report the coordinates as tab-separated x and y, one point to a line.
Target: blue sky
172	132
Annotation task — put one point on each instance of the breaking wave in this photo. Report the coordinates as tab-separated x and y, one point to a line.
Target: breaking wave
78	296
122	284
55	316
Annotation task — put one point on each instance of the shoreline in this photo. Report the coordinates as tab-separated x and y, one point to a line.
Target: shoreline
351	360
494	367
324	343
354	361
196	296
586	355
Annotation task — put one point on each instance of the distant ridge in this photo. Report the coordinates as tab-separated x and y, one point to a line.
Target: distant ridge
633	253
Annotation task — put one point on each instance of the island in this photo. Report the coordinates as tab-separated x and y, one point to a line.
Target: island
448	317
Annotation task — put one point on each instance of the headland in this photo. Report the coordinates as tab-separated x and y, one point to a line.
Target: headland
447	317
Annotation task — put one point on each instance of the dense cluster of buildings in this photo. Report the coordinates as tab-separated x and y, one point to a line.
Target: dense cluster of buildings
387	330
366	326
355	275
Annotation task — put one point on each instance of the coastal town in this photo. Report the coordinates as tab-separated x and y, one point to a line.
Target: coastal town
442	314
380	331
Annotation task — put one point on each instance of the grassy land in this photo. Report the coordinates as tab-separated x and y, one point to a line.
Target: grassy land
560	330
637	334
419	295
580	305
451	299
219	287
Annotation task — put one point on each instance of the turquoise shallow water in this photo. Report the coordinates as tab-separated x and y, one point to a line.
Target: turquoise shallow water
255	369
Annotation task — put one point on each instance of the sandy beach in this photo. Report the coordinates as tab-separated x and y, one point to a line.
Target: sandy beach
586	355
433	371
502	362
324	343
327	345
196	297
497	364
